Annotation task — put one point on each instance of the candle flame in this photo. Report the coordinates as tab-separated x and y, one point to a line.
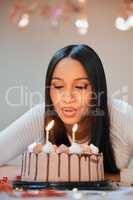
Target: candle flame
50	125
75	127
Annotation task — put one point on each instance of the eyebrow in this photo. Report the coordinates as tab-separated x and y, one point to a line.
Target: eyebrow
81	78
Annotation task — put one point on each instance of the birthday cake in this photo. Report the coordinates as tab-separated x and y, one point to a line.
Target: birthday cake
49	163
62	164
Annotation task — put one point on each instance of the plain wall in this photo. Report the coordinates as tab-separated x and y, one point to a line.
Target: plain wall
24	55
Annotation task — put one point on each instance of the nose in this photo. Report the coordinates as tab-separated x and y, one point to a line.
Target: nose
68	97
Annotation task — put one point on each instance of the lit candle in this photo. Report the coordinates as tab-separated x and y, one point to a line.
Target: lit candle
74	129
48	128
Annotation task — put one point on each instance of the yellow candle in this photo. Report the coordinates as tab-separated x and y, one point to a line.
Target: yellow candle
74	129
48	128
47	136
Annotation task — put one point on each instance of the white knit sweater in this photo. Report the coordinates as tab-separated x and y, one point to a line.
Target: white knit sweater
29	128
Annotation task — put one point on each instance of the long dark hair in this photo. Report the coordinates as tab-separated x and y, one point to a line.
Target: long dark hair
100	127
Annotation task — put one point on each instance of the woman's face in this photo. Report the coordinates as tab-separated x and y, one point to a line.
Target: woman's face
70	91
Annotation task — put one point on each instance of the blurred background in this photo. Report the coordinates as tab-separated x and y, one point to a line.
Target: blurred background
32	30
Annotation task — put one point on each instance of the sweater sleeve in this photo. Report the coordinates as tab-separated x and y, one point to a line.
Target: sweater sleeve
128	128
122	132
24	131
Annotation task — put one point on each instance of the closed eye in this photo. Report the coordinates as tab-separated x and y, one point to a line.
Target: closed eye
58	87
82	87
77	87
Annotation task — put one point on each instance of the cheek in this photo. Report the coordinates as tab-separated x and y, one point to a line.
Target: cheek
84	99
55	99
88	98
85	105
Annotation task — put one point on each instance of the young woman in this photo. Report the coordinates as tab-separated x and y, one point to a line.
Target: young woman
75	92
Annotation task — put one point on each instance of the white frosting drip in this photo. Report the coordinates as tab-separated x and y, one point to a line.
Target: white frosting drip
31	147
48	148
94	149
75	148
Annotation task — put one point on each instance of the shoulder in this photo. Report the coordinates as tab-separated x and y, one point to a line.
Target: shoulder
119	110
119	106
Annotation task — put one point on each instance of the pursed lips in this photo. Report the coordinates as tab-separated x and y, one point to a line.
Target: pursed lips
69	111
